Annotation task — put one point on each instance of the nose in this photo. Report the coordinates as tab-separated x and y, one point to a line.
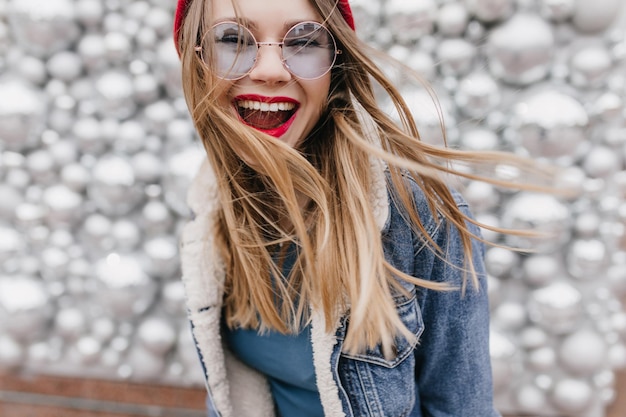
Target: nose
269	65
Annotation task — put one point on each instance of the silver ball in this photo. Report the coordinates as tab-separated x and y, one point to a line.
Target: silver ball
89	12
503	352
65	66
590	67
595	16
114	188
556	308
490	10
557	10
43	28
148	167
531	399
75	176
115	95
124	288
25	308
452	19
539	213
64	205
551	124
542	360
587	258
583	353
144	365
455	56
162	253
12	354
602	162
157	335
70	323
520	51
509	316
541	270
532	337
22	114
127	235
89	350
410	21
118	47
180	170
572	396
92	50
173	296
478	95
501	262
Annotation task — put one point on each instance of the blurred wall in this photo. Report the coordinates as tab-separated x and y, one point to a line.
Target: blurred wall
97	149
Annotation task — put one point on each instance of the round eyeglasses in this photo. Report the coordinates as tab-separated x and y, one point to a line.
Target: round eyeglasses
308	50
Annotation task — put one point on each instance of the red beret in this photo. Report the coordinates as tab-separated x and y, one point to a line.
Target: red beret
181	9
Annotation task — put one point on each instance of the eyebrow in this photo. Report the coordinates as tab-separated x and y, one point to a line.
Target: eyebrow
252	25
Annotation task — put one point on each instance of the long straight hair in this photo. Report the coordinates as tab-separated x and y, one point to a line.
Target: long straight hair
340	263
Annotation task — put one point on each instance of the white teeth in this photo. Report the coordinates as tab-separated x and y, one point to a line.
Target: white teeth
273	107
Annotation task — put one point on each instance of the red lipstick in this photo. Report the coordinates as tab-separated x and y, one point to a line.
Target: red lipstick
291	104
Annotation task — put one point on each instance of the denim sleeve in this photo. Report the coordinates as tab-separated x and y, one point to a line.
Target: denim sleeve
453	368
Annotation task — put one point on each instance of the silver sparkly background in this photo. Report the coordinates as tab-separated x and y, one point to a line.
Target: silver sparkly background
97	149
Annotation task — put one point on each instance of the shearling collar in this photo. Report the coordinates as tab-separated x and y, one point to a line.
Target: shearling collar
235	389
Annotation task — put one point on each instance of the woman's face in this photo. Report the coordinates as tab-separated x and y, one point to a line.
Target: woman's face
270	98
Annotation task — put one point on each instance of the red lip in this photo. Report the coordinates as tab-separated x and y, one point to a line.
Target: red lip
278	131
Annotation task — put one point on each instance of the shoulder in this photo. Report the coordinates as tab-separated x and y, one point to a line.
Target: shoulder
425	205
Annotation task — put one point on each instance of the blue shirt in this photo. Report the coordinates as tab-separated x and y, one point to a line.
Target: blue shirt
286	360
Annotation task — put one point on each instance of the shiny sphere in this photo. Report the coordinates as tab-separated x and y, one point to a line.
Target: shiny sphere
490	10
22	115
520	51
572	395
557	10
410	21
124	288
25	308
543	359
540	270
602	162
502	351
157	335
456	57
500	262
43	28
539	213
452	19
583	353
551	124
65	66
115	90
591	16
114	189
162	253
11	353
587	258
70	323
556	308
478	95
590	67
531	399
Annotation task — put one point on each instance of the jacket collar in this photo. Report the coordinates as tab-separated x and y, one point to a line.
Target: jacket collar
203	276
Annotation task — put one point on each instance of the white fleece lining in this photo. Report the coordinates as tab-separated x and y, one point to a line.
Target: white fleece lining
203	276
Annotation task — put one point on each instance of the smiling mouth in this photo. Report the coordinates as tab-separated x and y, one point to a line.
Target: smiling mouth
265	116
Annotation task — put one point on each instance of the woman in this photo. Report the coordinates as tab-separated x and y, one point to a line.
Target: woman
329	269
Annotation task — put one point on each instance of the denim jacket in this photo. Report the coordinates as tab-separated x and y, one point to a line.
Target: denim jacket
448	372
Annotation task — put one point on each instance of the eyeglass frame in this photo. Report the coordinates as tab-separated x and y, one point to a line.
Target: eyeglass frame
338	51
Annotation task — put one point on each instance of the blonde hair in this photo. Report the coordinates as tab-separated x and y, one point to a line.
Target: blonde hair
340	262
